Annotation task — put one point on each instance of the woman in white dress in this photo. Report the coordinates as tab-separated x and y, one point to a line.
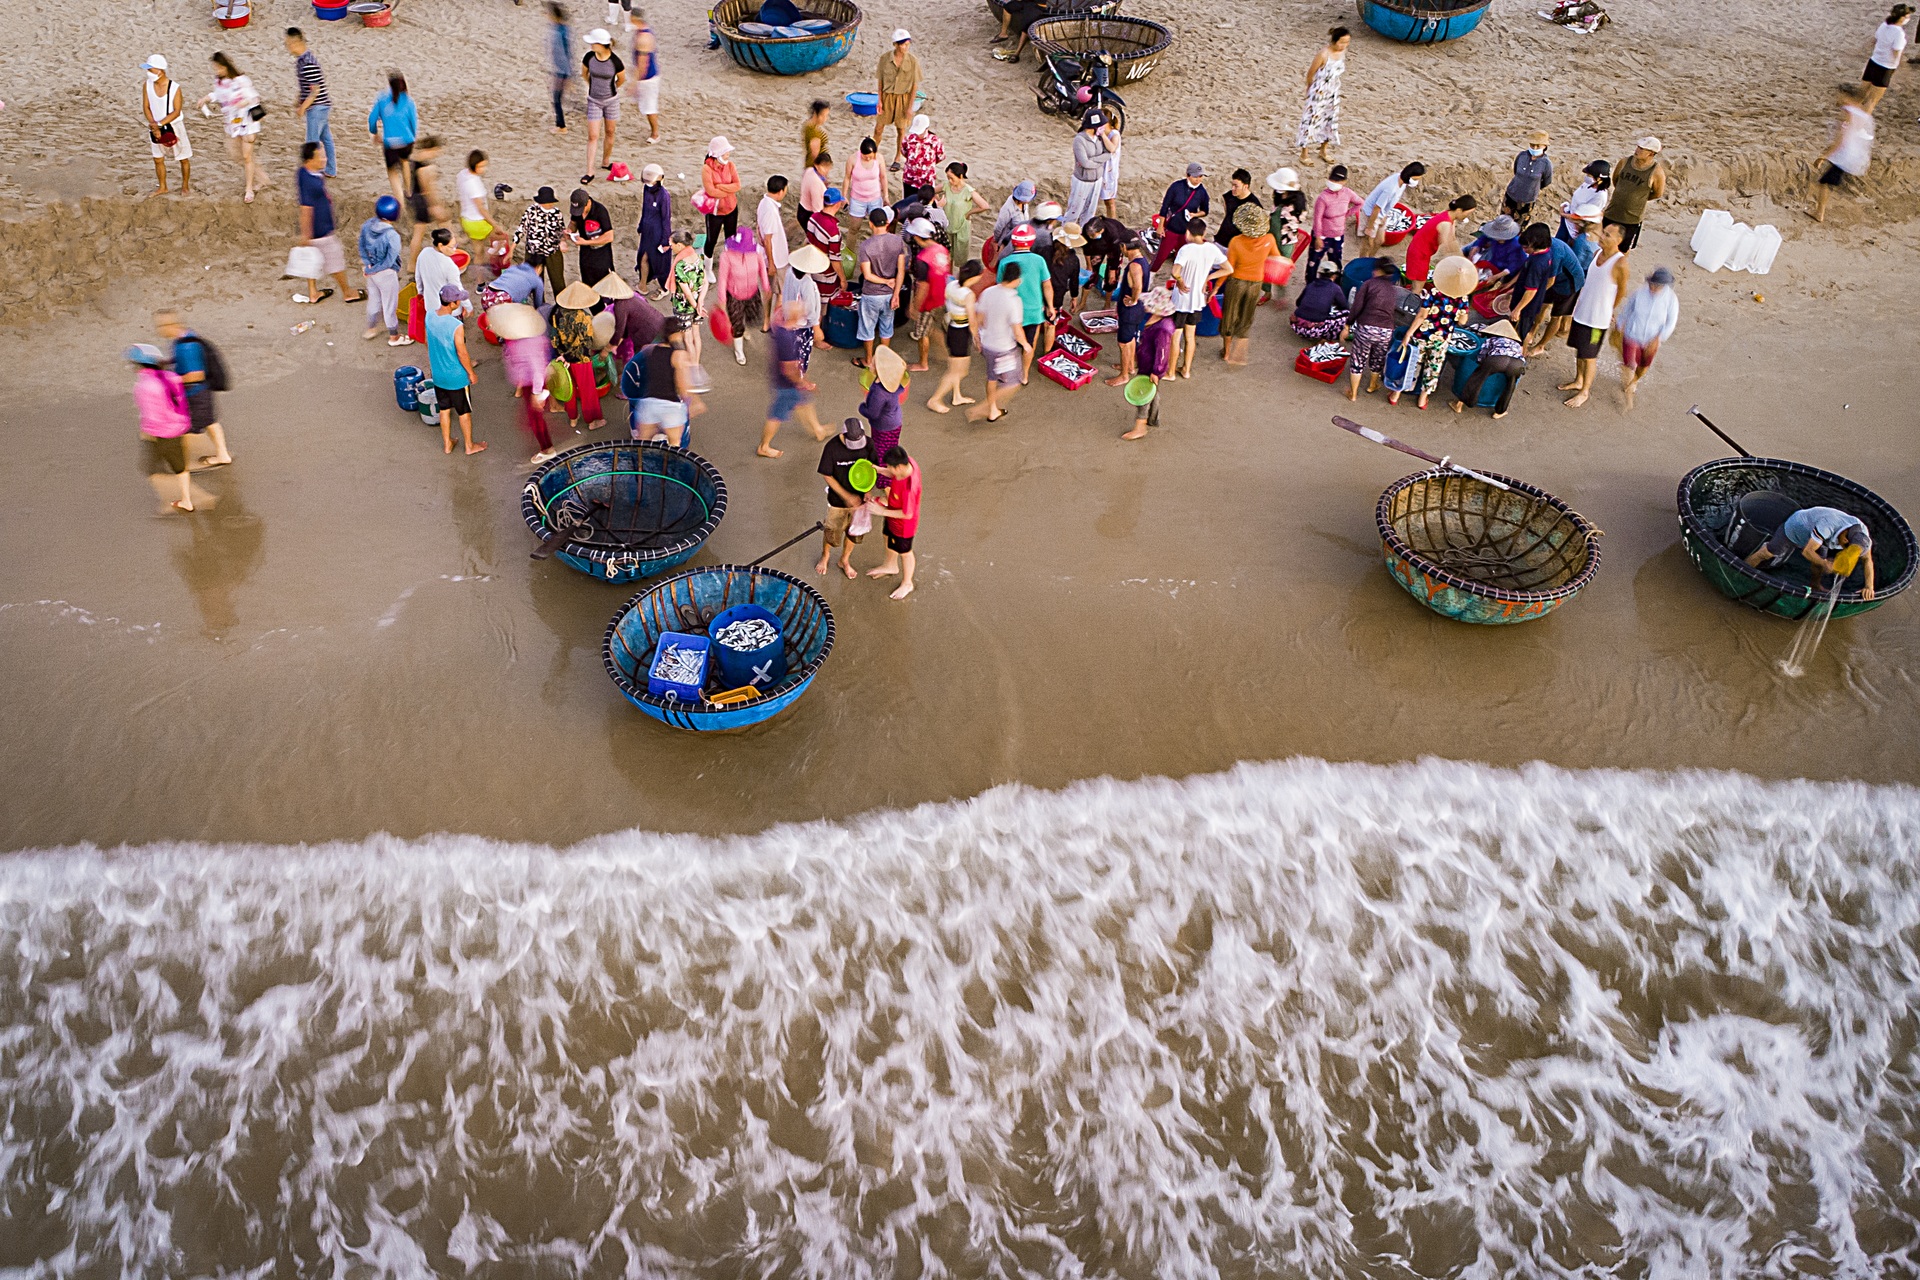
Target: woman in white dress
236	98
1320	121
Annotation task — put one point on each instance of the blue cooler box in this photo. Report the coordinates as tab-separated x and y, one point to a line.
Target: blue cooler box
681	691
842	327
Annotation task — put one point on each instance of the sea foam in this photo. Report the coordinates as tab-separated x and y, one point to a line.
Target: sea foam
1296	1019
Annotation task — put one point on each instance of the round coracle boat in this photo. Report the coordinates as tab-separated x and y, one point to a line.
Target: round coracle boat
1423	21
1136	44
624	510
1478	554
1730	507
1062	8
687	605
824	34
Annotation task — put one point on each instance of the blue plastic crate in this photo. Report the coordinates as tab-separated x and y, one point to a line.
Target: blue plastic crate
680	691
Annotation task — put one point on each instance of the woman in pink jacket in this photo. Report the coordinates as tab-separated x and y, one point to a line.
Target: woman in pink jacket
161	399
741	274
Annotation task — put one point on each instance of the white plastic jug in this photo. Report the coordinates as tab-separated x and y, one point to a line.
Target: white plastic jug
1711	221
1717	245
1765	250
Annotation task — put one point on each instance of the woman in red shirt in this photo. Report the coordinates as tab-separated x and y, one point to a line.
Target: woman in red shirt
1437	237
720	184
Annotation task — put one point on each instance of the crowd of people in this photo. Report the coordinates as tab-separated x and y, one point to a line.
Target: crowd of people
858	249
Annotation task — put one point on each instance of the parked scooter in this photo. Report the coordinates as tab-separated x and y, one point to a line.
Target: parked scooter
1070	86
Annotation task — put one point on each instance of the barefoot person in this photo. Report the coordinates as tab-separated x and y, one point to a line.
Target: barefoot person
959	340
1646	320
898	79
452	370
162	404
202	374
1820	534
1155	354
1889	42
792	390
162	102
901	509
1369	327
1320	121
646	81
236	97
1002	337
836	461
1593	311
1129	305
1852	148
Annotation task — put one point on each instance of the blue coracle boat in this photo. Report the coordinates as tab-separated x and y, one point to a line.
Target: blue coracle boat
1423	21
793	55
624	510
689	601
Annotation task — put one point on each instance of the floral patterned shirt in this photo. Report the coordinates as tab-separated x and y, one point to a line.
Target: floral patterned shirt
920	156
539	230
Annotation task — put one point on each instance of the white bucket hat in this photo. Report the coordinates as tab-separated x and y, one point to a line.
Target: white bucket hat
599	36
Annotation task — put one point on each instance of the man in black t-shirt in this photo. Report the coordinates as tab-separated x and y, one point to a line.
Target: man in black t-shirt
593	232
836	462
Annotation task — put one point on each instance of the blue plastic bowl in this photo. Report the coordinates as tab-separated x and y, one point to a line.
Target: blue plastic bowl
864	104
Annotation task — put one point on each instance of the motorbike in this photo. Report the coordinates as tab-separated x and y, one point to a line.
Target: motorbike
1070	86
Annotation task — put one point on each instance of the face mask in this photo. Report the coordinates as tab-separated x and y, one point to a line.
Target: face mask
1538	151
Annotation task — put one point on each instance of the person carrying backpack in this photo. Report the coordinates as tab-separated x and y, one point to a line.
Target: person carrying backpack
197	363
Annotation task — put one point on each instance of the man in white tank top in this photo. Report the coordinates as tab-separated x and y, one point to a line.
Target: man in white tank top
1593	312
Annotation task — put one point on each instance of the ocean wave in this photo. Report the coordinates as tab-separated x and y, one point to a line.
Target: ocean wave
1296	1019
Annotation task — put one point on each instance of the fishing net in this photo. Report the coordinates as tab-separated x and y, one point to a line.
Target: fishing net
627	498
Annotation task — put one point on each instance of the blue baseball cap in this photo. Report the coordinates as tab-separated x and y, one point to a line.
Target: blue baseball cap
833	195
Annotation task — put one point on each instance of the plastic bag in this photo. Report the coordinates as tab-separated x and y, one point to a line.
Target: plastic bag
305	263
862	522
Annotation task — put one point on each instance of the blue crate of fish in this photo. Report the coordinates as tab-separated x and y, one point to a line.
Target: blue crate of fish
678	668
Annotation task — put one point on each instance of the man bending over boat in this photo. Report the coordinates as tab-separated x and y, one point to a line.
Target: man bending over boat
1818	530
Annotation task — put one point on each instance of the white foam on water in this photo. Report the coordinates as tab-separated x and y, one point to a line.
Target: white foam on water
1296	1019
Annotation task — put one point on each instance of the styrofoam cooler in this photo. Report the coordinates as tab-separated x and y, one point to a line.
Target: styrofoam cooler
1740	256
1718	245
1712	223
1766	249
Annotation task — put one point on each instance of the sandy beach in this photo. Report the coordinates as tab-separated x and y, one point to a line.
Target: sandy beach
359	614
1464	997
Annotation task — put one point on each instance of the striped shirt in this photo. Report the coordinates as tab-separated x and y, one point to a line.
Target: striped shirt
307	68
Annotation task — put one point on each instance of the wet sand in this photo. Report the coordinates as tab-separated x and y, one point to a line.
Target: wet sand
355	640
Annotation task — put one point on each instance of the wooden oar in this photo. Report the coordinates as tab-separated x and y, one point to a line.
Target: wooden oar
813	528
1695	411
1368	433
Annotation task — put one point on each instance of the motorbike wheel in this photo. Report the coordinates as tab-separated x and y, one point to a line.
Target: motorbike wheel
1047	105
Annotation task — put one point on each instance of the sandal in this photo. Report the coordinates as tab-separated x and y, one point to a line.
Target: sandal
361	296
322	296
